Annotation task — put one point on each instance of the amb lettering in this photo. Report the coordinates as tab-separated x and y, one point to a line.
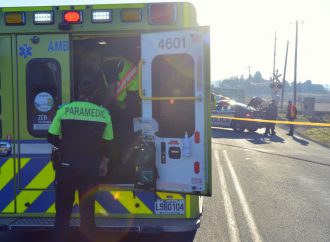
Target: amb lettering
89	112
58	46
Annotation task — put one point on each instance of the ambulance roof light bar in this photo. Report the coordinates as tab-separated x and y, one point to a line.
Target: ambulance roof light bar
43	17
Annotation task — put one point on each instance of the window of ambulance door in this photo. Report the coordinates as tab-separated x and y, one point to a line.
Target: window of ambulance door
173	76
43	92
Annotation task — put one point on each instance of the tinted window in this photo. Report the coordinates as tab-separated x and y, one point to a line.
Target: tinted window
173	76
43	94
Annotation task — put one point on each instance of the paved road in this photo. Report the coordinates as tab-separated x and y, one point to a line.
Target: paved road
267	189
264	189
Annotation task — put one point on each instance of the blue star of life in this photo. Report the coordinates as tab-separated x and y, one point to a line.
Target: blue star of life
25	51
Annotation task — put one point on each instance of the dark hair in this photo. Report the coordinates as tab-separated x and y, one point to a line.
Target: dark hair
87	87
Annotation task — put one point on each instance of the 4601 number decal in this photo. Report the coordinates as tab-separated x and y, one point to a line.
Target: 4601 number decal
172	43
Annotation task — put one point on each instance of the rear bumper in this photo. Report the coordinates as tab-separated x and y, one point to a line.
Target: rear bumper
106	224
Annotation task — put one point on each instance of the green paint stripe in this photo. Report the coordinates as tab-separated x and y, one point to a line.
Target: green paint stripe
27	9
78	7
117	6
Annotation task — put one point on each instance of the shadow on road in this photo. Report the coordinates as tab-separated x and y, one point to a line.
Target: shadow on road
300	141
252	137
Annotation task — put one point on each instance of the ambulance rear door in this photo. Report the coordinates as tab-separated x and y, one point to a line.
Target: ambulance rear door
43	83
175	98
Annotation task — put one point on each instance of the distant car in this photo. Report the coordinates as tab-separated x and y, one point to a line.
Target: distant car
230	108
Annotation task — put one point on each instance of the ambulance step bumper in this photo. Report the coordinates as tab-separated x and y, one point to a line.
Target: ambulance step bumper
150	225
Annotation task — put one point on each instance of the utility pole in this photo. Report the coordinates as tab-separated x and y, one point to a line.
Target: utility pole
249	81
283	81
295	68
274	57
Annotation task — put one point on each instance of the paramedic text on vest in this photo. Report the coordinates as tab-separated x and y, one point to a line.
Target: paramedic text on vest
128	79
83	131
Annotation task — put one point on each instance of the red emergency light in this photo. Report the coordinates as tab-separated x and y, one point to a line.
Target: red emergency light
72	17
162	13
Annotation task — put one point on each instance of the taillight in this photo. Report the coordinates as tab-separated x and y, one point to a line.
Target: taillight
197	137
72	17
196	167
162	13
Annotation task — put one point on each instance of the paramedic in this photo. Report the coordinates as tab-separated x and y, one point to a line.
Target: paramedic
83	131
125	106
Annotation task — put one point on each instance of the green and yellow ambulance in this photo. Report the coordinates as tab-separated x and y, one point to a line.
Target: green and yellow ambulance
43	50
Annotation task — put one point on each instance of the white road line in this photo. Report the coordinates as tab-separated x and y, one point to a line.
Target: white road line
232	224
248	215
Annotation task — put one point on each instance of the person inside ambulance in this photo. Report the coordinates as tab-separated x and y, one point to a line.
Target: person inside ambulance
123	108
83	131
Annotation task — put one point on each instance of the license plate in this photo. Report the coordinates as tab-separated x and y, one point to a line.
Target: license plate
169	206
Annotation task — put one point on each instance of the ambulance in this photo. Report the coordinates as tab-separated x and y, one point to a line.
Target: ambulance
44	51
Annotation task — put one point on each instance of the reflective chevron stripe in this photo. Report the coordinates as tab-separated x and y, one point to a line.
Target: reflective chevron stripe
34	183
25	198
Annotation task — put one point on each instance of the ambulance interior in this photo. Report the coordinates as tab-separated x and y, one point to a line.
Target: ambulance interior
174	118
89	54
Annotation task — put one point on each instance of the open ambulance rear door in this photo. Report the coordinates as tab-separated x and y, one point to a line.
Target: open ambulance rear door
175	83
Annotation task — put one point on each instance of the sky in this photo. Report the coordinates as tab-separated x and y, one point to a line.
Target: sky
243	35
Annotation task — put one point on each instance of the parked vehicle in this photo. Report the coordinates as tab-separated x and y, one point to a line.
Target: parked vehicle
226	109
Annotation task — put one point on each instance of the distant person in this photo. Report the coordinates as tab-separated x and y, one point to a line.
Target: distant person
291	115
271	114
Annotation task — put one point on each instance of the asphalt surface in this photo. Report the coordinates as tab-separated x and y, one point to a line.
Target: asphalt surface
265	188
272	188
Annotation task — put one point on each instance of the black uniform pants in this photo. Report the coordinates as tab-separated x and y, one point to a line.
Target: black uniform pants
67	181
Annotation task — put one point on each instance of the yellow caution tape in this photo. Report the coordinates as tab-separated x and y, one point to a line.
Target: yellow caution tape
274	121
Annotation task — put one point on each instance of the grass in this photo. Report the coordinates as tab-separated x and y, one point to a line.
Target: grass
320	135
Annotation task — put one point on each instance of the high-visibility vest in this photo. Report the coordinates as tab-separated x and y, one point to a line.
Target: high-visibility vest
128	79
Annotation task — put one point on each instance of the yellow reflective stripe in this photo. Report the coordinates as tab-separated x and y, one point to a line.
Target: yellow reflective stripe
100	209
169	196
117	6
188	214
7	173
127	199
43	179
26	9
51	209
7	170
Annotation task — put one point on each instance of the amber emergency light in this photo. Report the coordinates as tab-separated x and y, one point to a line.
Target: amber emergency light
15	18
131	15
